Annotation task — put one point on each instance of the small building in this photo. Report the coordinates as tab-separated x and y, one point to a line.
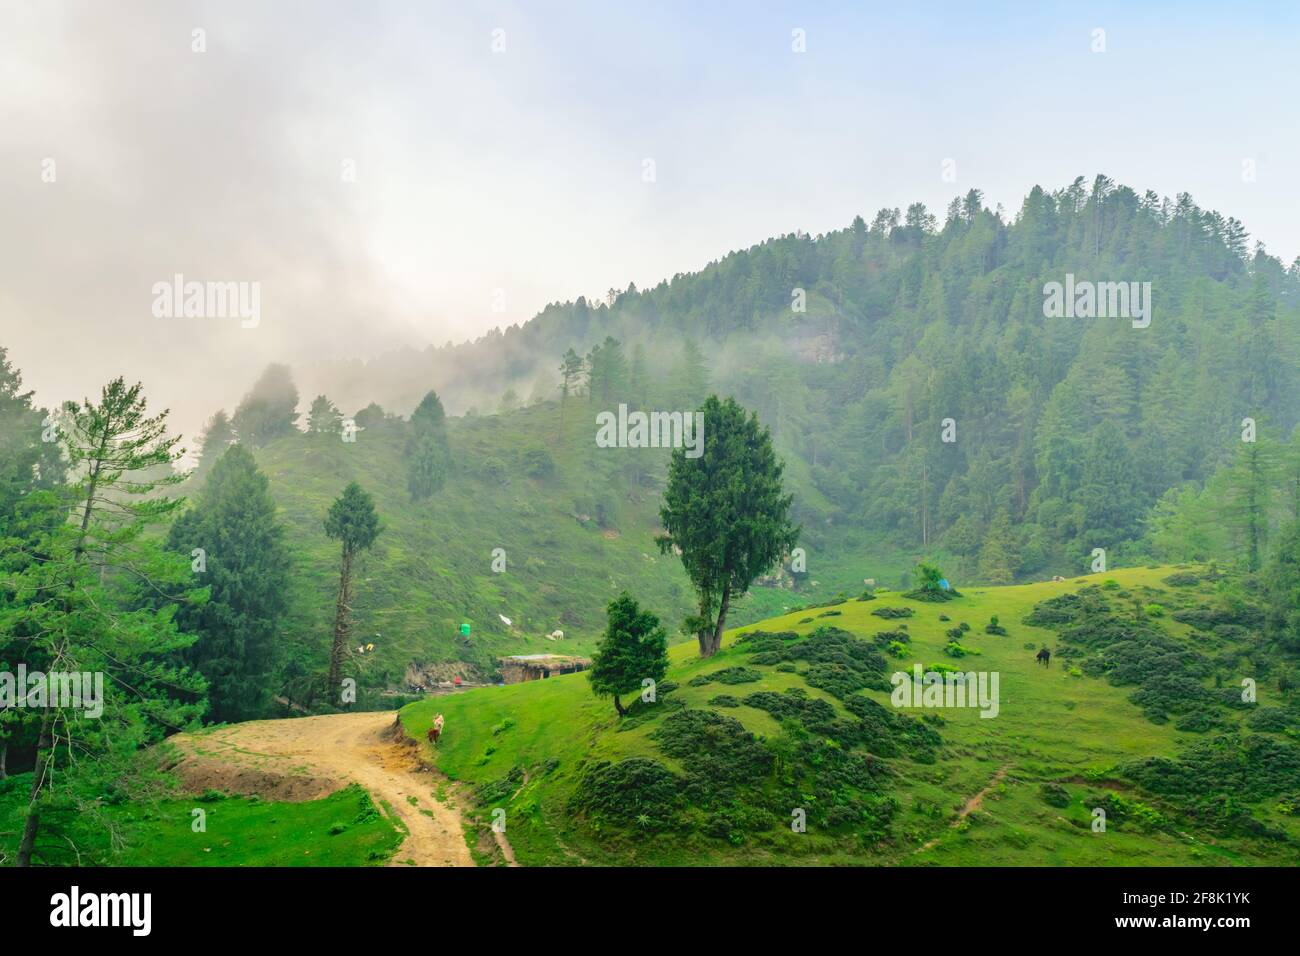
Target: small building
524	667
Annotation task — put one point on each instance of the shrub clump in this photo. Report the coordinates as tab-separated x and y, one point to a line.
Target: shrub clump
890	613
633	791
728	675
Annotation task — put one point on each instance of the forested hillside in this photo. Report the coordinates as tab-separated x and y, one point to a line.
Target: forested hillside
1066	430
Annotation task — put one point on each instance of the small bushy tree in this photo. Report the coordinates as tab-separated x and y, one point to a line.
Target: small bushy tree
633	648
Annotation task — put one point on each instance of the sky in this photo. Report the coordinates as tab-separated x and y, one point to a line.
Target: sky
395	174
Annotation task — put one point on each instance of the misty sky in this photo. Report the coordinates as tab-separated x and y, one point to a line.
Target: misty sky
521	170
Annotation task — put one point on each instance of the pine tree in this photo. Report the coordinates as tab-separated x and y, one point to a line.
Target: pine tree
727	513
998	560
247	568
269	410
108	596
691	376
324	420
428	454
570	374
1109	497
218	435
633	649
352	522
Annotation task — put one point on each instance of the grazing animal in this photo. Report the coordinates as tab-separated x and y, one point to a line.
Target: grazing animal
1044	657
433	734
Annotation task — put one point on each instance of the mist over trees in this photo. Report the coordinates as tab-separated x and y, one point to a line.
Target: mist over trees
906	321
269	410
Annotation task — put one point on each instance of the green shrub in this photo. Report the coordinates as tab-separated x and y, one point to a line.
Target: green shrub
633	791
891	613
1054	795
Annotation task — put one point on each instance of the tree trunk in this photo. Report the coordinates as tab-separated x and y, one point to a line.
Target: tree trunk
340	624
44	753
710	643
618	706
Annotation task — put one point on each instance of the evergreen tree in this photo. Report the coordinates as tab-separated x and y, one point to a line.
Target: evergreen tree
218	435
570	374
633	649
353	522
247	568
1248	496
89	603
269	410
428	455
727	513
1109	498
998	561
691	376
324	420
1282	590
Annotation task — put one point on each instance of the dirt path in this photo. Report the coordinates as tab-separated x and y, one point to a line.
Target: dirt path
308	757
970	806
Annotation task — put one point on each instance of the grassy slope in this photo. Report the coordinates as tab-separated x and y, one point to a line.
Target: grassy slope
241	831
1053	726
431	567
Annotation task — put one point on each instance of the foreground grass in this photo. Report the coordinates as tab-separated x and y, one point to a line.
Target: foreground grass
1054	725
342	829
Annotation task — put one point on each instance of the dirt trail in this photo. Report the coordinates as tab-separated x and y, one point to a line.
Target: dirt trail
971	805
304	758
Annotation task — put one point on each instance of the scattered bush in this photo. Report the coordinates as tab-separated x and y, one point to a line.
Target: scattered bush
890	613
728	675
1054	795
636	790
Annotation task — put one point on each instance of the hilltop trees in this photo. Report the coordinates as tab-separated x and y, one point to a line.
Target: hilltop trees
427	453
269	410
246	565
634	648
570	375
727	513
352	522
100	596
323	418
217	436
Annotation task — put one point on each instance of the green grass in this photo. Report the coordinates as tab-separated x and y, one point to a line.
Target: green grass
342	829
573	539
431	567
1052	727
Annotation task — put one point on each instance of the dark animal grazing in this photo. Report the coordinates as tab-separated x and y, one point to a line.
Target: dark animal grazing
433	735
1044	657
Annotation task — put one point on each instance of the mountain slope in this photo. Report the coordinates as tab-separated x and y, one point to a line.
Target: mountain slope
679	782
857	347
571	533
